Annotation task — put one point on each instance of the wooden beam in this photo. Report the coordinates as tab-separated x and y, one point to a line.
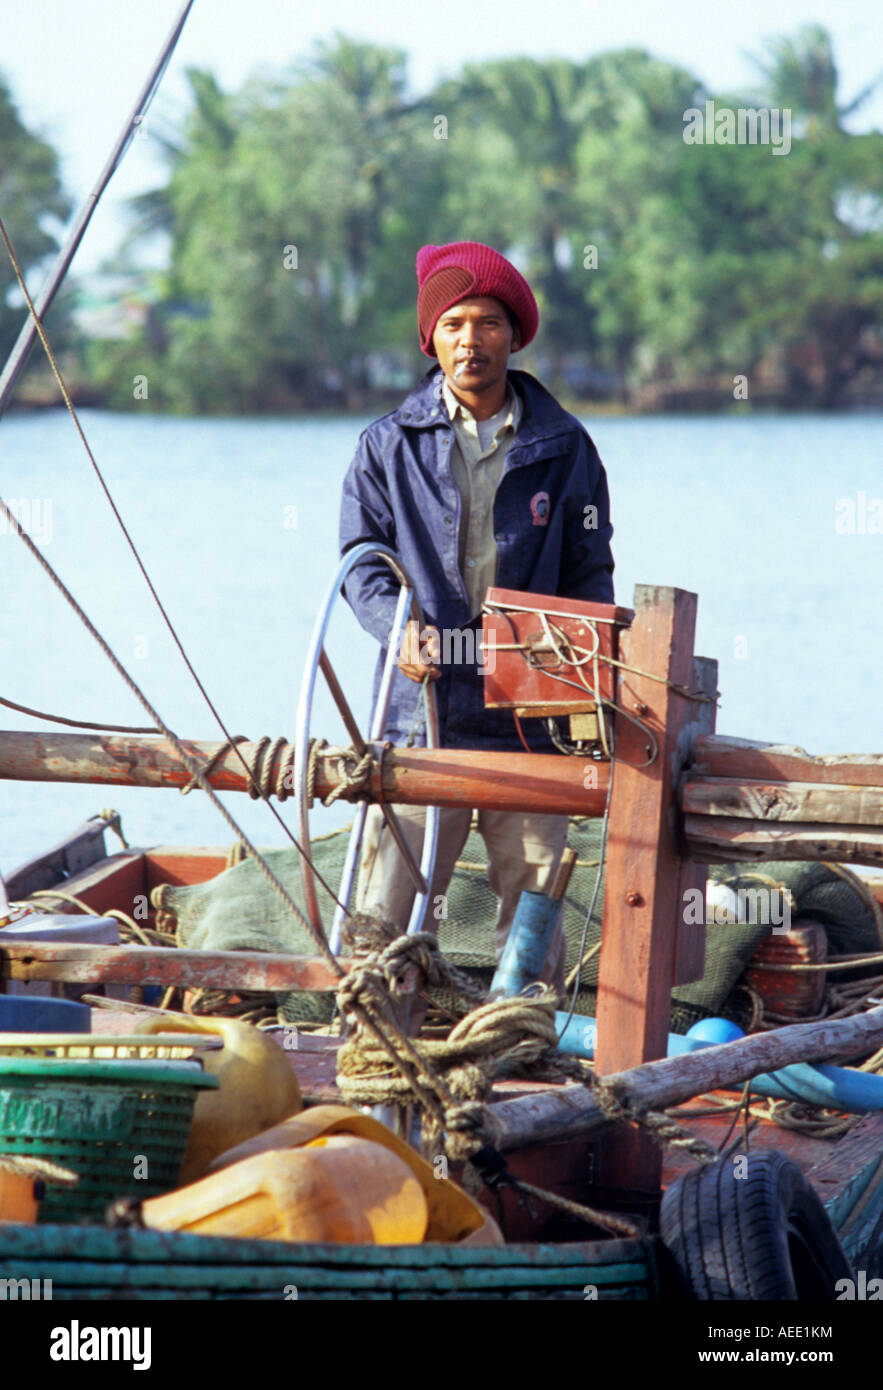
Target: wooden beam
545	783
812	802
717	756
720	839
142	965
642	905
568	1111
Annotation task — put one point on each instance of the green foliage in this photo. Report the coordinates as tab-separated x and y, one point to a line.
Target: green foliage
30	196
295	208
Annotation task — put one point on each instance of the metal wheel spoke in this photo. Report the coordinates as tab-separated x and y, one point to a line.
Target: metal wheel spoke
398	835
342	703
317	660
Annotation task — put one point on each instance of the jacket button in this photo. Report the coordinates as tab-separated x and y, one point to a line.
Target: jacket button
449	521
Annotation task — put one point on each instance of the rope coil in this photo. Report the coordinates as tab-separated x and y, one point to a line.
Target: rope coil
451	1079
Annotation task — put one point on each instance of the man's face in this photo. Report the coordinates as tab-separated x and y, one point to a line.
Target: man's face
472	342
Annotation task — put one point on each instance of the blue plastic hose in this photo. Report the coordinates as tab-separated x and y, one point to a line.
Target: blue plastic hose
836	1088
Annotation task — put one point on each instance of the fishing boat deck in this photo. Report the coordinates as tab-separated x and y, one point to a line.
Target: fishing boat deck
315	1062
568	1166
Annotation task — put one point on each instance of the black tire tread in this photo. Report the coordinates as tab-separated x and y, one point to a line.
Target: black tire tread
729	1236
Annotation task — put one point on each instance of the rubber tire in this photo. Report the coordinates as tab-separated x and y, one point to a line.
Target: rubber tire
762	1236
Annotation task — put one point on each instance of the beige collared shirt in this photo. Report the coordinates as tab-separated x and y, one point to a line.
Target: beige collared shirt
476	468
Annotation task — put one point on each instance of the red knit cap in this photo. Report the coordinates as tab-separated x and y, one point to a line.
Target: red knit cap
467	270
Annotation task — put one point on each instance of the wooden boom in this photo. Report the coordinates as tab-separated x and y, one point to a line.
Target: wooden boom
572	1110
740	800
410	776
760	801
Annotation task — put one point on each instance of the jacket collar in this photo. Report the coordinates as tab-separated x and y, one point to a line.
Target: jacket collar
542	416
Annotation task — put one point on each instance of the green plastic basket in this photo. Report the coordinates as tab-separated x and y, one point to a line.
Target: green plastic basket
122	1126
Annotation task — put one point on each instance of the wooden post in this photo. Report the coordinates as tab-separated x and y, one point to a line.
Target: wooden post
643	906
689	963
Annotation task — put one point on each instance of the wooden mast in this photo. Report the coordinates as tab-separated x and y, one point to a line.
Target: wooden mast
646	875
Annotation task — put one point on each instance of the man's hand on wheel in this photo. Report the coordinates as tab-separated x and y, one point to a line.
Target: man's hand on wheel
420	652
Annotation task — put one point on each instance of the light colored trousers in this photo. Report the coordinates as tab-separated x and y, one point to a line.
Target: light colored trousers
523	852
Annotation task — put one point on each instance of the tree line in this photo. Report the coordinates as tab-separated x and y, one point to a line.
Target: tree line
666	268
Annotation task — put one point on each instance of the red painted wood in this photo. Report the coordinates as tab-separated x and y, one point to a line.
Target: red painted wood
546	783
801	1148
141	965
511	682
168	864
113	882
642	905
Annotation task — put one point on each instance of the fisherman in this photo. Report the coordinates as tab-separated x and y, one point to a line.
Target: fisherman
479	478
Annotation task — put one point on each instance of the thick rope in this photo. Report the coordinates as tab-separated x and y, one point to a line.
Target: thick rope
502	1037
659	1124
354	773
354	770
127	923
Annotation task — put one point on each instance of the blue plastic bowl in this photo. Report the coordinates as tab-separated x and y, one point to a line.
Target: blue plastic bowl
40	1014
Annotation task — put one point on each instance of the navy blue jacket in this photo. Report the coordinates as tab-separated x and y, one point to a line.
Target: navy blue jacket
399	491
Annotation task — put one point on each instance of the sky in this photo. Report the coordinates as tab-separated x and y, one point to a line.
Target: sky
75	66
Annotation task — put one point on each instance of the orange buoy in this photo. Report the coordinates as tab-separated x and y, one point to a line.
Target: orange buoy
336	1188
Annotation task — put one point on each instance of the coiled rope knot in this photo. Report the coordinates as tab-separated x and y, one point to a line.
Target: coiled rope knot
450	1078
269	763
353	769
402	967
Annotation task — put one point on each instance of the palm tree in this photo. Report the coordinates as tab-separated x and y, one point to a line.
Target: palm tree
209	130
801	74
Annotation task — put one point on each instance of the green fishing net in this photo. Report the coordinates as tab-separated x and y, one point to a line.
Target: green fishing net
239	910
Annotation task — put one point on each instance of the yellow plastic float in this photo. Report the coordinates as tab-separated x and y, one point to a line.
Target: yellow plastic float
326	1174
258	1087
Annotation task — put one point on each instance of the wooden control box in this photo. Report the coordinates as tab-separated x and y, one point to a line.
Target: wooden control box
545	656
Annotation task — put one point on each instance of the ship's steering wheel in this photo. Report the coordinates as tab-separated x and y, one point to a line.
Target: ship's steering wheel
317	660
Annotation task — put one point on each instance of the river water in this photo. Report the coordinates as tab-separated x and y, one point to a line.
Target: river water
773	521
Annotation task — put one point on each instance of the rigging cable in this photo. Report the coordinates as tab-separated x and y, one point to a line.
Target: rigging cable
140	563
191	765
